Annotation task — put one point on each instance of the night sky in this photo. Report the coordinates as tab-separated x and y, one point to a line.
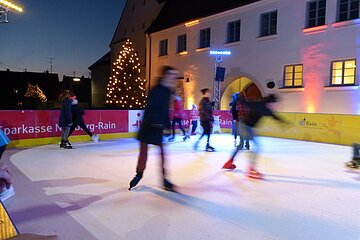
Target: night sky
74	32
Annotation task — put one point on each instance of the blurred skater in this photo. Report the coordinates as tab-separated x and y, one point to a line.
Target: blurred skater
255	111
156	119
206	118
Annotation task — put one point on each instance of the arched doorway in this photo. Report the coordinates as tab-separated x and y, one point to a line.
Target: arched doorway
240	84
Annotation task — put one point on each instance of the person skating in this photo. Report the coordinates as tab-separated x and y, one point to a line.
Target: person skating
77	117
355	162
65	120
194	118
156	118
241	109
234	114
178	115
256	110
206	118
6	187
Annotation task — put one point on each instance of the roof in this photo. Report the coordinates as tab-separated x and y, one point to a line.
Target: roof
104	60
176	12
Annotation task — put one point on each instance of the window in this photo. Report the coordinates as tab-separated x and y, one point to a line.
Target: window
233	31
204	38
348	9
343	72
181	43
268	23
163	48
316	13
293	75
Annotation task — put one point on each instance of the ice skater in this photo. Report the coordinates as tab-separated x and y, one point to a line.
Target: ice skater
206	118
77	118
65	119
194	118
234	114
156	119
355	162
178	115
6	187
241	109
256	110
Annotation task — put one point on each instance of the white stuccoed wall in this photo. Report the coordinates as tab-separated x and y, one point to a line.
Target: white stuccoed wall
263	60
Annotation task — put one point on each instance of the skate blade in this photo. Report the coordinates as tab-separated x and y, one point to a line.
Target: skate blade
170	190
253	176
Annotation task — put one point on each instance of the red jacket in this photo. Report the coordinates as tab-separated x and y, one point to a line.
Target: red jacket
178	108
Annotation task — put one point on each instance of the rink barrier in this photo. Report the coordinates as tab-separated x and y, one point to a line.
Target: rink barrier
36	127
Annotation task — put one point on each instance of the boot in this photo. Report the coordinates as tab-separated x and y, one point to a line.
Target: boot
168	186
209	148
229	165
135	180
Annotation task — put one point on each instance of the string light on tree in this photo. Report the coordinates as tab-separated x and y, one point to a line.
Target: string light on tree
125	88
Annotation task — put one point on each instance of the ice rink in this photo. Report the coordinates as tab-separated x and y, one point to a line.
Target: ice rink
82	193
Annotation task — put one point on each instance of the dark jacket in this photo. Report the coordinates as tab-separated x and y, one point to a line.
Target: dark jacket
65	114
257	110
77	113
205	109
156	115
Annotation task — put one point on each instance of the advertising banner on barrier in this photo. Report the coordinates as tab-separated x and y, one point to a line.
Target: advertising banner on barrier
222	119
30	124
329	128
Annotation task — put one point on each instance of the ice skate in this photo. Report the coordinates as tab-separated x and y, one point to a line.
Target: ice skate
353	164
168	186
255	174
7	193
209	148
186	137
95	137
65	145
171	139
135	181
229	165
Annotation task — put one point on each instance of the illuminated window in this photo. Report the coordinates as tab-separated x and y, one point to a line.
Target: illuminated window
293	75
343	72
233	31
316	13
348	9
181	43
268	23
163	47
204	38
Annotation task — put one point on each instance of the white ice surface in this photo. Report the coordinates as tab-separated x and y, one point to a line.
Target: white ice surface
307	192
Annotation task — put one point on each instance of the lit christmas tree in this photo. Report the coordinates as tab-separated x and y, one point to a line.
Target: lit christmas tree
125	88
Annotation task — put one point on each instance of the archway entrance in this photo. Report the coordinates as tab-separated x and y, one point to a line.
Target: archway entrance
240	84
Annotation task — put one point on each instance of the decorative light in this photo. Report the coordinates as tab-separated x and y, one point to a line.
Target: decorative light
220	52
10	6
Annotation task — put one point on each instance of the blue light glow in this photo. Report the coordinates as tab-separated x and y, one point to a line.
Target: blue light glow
218	52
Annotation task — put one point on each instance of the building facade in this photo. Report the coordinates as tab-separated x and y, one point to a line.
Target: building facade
306	51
